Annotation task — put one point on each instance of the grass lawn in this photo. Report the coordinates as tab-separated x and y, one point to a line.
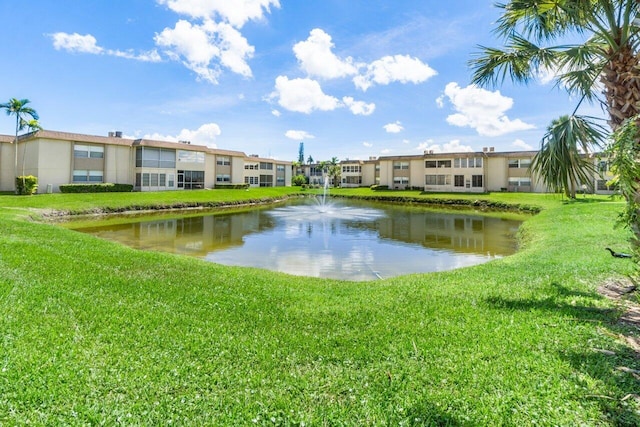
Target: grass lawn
92	332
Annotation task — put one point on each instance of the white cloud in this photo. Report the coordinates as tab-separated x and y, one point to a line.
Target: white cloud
367	144
398	68
197	46
236	12
521	144
440	101
276	113
453	146
385	151
359	108
482	110
316	59
302	95
405	141
204	135
76	43
298	135
393	127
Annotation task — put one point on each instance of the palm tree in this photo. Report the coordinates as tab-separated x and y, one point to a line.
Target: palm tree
18	108
334	171
560	163
33	126
608	56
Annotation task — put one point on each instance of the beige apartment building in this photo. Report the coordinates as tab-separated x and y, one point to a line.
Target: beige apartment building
475	172
59	158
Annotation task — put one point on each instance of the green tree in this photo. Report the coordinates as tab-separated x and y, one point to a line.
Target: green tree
19	109
562	163
32	126
334	170
608	54
606	57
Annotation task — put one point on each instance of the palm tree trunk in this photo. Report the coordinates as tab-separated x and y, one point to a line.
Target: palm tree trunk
621	80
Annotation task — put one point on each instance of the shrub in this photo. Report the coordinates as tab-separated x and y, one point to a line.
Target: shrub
96	188
299	180
26	185
379	187
231	186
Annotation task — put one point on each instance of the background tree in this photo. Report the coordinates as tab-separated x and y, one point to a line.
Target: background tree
562	162
32	126
23	113
310	160
334	170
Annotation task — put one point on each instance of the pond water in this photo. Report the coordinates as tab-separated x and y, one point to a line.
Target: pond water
343	240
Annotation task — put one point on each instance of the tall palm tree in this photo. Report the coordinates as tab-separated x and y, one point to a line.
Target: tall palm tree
562	161
608	56
32	126
19	109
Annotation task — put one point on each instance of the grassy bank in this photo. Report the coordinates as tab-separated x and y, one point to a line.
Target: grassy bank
92	332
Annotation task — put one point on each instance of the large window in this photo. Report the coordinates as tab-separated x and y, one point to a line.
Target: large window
191	180
147	179
88	151
458	180
437	179
353	169
223	161
190	156
266	166
401	180
150	157
223	177
520	182
266	180
519	163
602	185
251	166
476	181
252	180
437	164
401	165
81	175
280	168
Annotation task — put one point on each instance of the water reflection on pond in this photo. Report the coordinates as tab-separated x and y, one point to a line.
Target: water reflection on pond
358	241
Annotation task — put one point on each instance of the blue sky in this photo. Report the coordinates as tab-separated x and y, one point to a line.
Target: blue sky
351	79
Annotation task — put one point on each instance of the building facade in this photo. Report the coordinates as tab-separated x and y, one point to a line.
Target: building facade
59	158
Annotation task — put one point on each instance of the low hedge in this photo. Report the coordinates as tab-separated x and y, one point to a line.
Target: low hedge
231	186
26	185
96	188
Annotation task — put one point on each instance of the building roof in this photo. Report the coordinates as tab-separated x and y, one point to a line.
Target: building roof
6	138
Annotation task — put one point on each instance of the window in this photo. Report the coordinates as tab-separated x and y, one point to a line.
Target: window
351	169
88	151
266	181
437	164
460	163
603	166
252	180
458	180
190	156
155	158
223	177
602	185
280	181
519	163
401	180
475	162
520	182
81	175
401	165
437	179
191	180
251	166
280	168
476	181
266	166
223	161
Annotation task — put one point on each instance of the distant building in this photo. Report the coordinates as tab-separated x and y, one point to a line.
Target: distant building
58	158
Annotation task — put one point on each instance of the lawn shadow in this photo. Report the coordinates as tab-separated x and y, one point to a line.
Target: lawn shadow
424	413
616	368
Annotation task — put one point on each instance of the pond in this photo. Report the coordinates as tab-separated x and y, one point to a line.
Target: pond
342	240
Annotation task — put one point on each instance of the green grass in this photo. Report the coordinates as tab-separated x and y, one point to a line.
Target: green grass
93	332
